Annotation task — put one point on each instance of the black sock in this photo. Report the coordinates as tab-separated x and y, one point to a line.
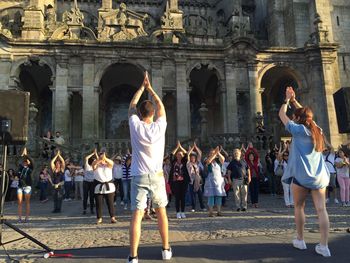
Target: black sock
166	249
131	258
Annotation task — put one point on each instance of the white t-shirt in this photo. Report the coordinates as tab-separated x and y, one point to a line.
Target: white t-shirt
89	173
117	171
67	176
147	142
344	171
79	177
103	174
330	162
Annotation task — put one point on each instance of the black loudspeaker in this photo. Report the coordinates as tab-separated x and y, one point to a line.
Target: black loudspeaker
14	113
342	107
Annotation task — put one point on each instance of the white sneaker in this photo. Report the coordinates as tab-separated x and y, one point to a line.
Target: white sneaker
299	244
178	215
121	203
183	215
167	254
192	210
134	260
336	201
322	250
327	200
126	207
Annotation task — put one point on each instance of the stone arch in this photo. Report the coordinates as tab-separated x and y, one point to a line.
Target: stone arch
35	76
292	70
273	80
104	67
16	65
118	83
206	87
211	66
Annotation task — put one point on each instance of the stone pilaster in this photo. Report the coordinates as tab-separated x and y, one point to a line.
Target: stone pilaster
231	99
61	99
182	101
157	77
276	27
90	101
254	94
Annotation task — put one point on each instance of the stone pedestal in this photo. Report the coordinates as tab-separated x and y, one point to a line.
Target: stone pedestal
33	18
203	111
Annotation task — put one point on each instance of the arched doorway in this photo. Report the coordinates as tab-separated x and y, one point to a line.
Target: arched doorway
204	83
35	78
274	83
118	84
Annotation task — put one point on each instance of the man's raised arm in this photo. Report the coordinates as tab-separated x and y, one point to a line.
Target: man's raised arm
160	111
135	99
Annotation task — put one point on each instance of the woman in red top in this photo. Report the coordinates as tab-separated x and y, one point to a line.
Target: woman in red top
252	159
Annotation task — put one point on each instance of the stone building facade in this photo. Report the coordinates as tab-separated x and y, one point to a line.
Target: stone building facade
221	66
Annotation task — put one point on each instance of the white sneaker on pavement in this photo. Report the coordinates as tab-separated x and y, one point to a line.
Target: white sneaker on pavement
327	200
336	201
183	215
299	244
178	215
322	250
167	254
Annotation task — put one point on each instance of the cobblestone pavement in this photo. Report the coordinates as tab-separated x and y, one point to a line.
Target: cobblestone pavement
73	230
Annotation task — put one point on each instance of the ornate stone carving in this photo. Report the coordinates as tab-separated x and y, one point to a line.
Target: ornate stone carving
72	26
320	35
50	19
240	23
120	24
5	31
11	20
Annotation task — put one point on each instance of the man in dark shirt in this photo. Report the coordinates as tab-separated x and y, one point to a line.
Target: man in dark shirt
239	177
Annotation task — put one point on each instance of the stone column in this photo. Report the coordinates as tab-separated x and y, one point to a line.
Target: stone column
231	99
254	94
90	101
223	106
61	98
157	77
182	101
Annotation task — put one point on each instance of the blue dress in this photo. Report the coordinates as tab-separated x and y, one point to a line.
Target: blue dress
305	166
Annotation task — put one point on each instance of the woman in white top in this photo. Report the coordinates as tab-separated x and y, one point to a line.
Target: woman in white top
117	177
342	164
104	188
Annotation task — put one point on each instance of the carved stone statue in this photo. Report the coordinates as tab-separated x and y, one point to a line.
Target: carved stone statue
5	31
121	24
72	26
50	19
320	35
240	23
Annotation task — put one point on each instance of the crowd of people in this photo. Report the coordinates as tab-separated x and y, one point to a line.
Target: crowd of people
190	179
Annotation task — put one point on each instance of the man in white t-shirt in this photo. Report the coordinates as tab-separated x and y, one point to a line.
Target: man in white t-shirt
148	142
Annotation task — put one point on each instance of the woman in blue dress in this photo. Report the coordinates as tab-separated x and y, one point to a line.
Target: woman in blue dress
306	170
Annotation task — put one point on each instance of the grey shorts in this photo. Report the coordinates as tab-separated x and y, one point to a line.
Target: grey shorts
332	181
148	185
